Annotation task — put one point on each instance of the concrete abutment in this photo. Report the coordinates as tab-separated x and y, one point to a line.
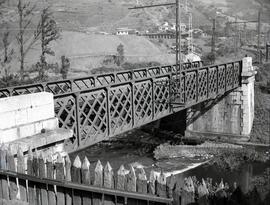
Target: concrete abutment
229	117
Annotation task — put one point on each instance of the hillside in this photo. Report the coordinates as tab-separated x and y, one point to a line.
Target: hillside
88	51
243	9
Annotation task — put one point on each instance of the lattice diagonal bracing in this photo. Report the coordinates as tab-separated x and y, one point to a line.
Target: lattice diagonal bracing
120	108
93	118
65	112
143	102
202	84
229	75
162	97
212	84
190	87
221	78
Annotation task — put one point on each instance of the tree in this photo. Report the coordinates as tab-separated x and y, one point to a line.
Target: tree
49	32
6	58
25	11
65	66
209	58
1	2
120	57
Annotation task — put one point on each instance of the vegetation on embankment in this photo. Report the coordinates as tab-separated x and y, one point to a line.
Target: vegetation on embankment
207	192
225	156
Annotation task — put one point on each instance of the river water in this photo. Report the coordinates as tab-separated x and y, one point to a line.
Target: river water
136	148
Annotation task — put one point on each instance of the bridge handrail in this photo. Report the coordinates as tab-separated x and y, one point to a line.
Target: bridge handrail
69	85
151	78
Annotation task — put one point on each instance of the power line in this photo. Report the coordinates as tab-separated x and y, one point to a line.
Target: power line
150	6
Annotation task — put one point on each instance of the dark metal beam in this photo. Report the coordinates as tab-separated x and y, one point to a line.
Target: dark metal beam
155	5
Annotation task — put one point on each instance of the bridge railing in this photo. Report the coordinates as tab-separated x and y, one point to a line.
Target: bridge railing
70	85
97	113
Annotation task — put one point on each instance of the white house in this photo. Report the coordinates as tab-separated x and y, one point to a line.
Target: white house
126	31
164	27
122	31
182	26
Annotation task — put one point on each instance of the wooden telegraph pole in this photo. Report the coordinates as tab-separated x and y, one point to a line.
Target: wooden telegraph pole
178	35
213	46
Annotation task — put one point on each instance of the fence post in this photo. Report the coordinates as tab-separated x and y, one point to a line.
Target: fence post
161	185
108	176
109	183
152	183
31	187
142	182
59	175
177	191
12	180
98	181
50	175
76	178
21	169
131	180
68	192
121	178
86	179
170	183
35	173
203	194
4	180
188	192
42	174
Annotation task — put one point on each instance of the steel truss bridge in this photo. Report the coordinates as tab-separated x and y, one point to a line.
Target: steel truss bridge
101	106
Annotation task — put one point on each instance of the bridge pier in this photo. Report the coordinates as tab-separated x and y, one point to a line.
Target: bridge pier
230	117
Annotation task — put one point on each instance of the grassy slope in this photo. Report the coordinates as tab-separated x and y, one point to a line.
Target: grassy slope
245	9
88	50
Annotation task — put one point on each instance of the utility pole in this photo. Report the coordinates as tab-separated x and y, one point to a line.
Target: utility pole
213	47
267	46
178	27
178	35
178	45
259	38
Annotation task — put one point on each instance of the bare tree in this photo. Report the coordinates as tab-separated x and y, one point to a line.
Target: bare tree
49	32
25	11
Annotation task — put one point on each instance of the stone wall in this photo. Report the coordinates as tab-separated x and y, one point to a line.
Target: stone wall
26	115
232	115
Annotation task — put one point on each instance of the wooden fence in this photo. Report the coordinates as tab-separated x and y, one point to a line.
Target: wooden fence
34	180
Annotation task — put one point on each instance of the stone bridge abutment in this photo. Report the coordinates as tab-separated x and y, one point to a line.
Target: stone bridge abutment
229	117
